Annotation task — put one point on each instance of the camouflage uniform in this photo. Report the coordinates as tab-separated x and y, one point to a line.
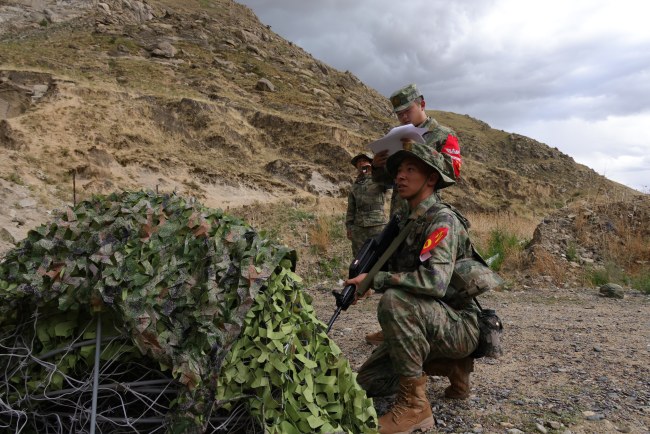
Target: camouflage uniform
365	217
441	138
415	310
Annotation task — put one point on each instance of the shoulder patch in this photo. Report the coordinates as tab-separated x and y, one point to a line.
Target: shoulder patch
432	241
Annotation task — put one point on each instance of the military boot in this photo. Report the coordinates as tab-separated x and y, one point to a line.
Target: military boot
411	411
457	370
375	338
437	367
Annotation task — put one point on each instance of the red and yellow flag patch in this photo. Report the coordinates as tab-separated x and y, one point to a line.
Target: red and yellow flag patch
432	241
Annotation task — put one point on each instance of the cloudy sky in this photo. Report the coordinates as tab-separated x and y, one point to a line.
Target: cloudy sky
572	74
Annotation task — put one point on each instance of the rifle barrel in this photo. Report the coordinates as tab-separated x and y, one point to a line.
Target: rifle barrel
336	315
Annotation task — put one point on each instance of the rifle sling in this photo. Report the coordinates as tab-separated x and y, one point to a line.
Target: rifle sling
365	283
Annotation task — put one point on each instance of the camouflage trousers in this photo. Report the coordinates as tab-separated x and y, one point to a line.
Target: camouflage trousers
361	234
416	329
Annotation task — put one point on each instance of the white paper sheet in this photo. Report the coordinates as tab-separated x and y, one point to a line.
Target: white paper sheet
393	139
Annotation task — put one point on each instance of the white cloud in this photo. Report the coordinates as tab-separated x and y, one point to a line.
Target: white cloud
616	147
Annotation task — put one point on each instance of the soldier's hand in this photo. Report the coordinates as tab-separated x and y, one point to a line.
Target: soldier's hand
407	143
379	160
349	234
356	281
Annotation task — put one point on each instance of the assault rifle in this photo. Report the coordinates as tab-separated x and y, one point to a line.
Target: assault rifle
372	249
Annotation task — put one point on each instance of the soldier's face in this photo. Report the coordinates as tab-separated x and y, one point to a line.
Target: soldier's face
363	166
412	176
414	114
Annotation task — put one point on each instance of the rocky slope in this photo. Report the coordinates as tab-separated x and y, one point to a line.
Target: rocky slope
203	99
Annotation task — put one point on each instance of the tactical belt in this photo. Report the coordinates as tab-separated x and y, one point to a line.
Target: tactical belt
370	208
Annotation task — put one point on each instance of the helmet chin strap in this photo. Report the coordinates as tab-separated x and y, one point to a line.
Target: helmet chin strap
420	189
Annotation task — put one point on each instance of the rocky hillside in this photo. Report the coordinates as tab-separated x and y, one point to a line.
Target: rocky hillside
599	242
201	98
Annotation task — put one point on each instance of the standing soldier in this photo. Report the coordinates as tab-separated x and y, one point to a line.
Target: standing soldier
365	217
409	107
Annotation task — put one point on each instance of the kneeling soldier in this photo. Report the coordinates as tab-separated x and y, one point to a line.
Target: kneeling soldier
422	331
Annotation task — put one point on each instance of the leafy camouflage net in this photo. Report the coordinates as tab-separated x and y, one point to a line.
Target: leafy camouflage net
144	312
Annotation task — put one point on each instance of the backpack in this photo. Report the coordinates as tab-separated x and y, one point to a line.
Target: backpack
472	277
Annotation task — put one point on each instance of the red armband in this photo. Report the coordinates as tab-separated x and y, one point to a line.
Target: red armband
452	149
432	241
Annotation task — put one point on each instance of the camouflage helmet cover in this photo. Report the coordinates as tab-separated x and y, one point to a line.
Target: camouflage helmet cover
427	155
401	98
360	155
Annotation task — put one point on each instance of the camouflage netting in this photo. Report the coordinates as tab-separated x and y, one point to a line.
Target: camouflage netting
201	324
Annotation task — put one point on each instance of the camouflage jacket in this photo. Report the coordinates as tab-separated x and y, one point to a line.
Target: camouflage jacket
438	137
366	203
445	140
413	270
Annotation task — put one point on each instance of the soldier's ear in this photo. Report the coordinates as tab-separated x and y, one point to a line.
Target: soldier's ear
433	179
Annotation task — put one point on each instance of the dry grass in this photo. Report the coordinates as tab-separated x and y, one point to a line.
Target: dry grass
320	233
314	228
605	241
546	264
505	235
633	246
630	249
483	224
619	230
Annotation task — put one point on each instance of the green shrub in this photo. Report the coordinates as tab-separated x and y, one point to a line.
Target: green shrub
642	282
338	232
300	214
330	267
571	252
610	273
16	179
502	244
598	277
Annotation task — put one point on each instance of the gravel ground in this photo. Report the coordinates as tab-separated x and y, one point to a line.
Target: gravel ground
574	362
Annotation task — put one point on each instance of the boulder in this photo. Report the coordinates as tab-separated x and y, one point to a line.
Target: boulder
611	290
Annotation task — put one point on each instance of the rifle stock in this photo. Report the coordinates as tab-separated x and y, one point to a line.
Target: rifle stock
366	258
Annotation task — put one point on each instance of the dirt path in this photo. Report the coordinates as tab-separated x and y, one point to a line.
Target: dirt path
574	362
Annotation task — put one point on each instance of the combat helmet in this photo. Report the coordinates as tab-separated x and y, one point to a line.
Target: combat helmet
427	155
360	155
403	97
